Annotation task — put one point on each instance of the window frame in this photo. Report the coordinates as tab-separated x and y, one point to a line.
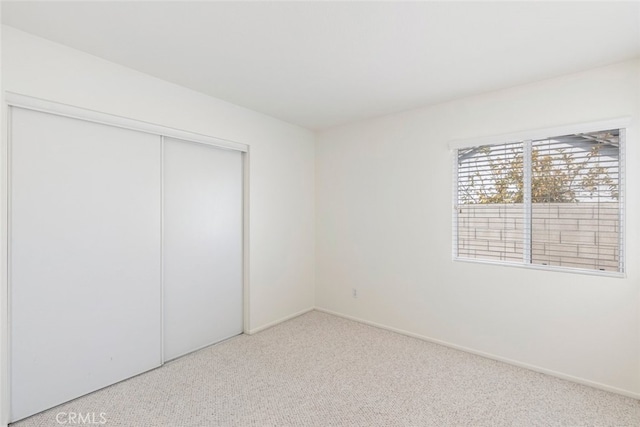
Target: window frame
526	137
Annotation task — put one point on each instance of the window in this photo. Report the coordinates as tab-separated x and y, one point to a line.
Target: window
552	201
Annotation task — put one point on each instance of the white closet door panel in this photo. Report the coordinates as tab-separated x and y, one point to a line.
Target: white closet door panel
85	296
202	246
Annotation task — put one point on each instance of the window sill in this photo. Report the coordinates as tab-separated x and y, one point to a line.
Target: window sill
612	274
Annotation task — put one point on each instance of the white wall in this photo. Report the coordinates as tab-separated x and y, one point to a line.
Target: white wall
4	327
383	226
281	168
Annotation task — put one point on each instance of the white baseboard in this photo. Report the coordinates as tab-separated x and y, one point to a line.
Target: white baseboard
275	322
535	368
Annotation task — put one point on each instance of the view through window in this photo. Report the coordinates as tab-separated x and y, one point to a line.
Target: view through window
554	201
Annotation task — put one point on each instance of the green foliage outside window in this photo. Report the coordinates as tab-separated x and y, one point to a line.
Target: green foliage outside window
558	178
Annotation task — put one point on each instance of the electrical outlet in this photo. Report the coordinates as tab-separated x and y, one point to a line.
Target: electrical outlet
354	293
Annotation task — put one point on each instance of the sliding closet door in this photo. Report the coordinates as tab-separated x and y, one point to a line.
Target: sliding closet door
202	246
85	258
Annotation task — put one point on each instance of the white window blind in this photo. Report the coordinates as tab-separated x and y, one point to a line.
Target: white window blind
549	202
490	208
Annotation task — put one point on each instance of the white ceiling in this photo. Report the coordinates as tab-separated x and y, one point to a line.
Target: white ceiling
322	64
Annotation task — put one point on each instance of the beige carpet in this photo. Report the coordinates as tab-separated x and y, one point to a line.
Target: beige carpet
321	370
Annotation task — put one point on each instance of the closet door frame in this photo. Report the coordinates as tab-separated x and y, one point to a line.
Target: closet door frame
14	100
